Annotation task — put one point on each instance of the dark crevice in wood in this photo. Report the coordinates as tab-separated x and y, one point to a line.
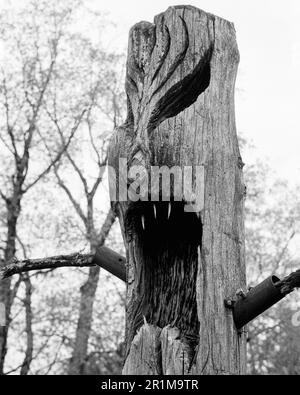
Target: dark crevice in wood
165	54
130	116
183	94
167	255
154	40
131	82
178	59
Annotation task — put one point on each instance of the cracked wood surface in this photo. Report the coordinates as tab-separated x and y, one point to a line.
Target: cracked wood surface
180	82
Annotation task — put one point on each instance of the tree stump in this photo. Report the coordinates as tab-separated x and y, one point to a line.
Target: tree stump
181	265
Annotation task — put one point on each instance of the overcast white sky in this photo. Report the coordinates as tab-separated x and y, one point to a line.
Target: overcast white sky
268	97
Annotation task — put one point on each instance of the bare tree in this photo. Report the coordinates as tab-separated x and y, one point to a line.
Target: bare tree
21	102
103	98
272	228
39	123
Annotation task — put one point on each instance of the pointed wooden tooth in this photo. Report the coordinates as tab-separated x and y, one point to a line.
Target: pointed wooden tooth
154	209
169	210
143	222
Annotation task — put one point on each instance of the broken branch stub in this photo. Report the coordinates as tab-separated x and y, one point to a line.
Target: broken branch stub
181	263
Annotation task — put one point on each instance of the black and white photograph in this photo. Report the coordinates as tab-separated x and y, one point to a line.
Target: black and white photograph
149	191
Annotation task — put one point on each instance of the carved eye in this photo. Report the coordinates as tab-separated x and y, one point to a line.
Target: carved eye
183	94
165	74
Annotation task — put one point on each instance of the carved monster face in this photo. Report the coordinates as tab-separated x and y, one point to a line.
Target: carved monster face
168	71
168	68
165	75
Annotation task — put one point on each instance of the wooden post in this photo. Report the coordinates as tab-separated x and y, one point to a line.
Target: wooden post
181	266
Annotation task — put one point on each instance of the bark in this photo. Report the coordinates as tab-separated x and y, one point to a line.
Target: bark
18	189
29	333
104	257
180	81
4	300
13	206
87	298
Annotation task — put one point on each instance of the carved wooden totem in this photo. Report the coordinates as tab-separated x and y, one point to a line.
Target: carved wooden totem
181	265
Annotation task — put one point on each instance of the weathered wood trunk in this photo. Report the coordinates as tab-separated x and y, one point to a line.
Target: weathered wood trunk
181	265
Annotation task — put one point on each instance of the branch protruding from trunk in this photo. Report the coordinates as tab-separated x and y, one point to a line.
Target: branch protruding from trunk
106	258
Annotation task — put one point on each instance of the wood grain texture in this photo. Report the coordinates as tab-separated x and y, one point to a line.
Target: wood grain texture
180	82
104	257
145	352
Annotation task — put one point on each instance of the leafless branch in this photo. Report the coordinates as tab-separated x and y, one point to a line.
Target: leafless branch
63	185
98	180
76	168
104	257
75	204
106	227
50	366
27	265
59	154
92	140
7	116
15	288
6	145
3	197
283	251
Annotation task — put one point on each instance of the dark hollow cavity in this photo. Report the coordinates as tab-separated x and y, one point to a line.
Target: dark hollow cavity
166	252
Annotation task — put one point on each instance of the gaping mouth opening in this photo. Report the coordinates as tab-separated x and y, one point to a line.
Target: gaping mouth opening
166	242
